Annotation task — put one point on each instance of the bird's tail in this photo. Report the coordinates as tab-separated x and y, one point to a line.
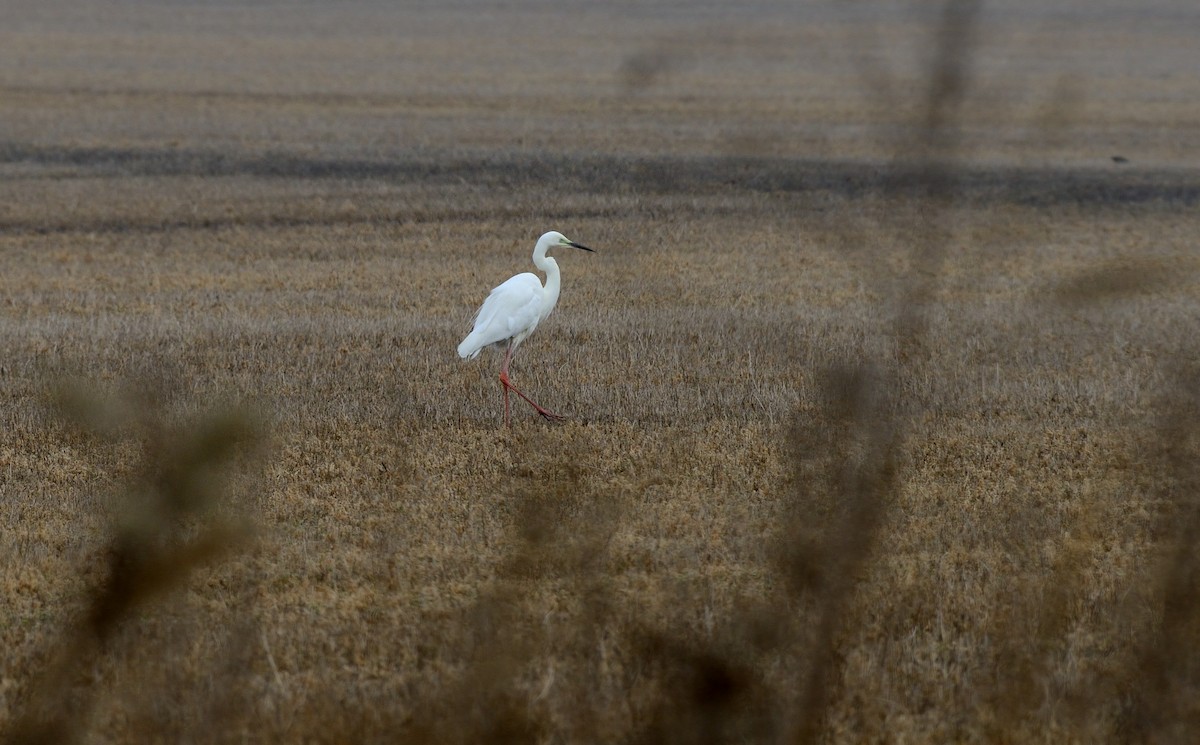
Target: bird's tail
469	348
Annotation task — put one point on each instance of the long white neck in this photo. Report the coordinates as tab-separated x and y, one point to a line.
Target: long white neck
553	282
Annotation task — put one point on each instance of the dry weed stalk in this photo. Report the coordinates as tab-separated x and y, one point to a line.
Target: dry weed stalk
867	405
170	523
1162	686
845	478
521	663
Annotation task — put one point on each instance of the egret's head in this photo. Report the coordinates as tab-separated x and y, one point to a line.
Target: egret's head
554	239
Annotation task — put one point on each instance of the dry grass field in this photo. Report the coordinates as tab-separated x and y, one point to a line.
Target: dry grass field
883	382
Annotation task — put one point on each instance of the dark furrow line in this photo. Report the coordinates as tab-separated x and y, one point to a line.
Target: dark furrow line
1116	186
116	226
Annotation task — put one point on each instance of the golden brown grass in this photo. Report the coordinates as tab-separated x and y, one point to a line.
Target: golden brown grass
860	448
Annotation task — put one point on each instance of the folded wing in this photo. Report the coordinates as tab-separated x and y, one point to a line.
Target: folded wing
511	311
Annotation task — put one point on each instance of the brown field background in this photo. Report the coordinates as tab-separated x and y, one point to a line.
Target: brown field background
883	390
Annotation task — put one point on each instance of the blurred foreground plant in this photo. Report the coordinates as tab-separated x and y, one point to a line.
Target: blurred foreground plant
169	521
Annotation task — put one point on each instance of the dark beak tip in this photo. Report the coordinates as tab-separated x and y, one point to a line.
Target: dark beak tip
585	248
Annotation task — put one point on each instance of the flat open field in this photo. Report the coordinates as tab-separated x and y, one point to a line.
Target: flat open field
882	401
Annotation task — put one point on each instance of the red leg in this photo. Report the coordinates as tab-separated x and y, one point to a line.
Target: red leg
504	383
545	413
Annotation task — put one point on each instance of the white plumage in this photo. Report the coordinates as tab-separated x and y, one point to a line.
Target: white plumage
514	309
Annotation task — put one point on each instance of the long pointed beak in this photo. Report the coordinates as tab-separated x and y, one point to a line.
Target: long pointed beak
577	245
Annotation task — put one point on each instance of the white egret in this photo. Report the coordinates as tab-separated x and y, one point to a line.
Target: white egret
513	310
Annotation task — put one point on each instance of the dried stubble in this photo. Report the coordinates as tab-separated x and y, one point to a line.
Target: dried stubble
393	509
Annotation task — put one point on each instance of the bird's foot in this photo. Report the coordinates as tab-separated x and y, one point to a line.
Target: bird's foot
551	417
